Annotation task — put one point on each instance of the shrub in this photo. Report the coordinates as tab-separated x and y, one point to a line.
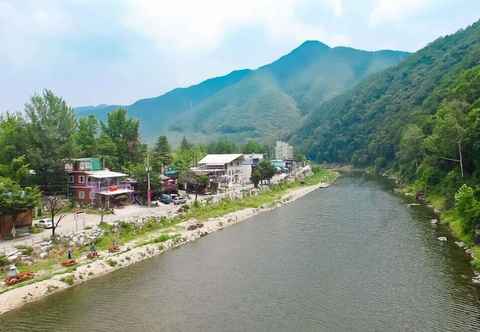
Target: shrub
69	280
3	261
112	262
162	238
25	250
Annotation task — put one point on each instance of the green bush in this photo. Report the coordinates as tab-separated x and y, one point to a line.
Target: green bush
69	280
3	261
25	250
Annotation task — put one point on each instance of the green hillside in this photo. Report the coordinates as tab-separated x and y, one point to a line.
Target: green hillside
156	114
364	125
265	103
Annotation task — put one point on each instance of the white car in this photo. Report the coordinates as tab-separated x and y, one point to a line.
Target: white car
45	223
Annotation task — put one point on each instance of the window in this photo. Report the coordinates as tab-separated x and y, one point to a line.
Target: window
81	194
71	179
92	195
81	179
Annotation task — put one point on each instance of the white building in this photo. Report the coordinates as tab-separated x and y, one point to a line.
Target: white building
283	151
252	159
227	168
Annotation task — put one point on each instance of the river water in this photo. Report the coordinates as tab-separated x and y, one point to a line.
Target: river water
352	257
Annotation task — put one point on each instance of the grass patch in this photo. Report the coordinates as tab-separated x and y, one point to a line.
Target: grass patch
69	280
265	198
162	238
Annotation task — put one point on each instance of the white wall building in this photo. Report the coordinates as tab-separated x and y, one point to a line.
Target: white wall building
228	168
283	151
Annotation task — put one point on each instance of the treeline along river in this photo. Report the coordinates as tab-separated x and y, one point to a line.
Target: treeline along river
352	257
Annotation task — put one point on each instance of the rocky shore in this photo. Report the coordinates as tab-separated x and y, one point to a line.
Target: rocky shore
131	254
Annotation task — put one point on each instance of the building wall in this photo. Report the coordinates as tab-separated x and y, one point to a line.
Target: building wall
283	151
21	219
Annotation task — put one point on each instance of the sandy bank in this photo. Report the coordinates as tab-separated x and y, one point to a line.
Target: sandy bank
108	262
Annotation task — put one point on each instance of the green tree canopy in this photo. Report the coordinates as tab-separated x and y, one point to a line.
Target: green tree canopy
86	136
14	198
51	126
120	139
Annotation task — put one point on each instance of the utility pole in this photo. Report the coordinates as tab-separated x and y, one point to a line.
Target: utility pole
148	169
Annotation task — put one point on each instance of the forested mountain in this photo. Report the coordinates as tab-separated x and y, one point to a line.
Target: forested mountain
364	125
157	113
420	118
264	103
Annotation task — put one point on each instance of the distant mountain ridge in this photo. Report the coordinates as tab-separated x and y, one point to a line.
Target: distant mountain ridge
263	104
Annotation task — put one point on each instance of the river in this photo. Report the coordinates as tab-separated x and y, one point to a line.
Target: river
352	257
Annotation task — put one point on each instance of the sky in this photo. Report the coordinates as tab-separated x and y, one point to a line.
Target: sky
94	52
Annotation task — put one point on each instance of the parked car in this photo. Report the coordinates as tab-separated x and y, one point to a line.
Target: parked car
45	223
166	199
178	199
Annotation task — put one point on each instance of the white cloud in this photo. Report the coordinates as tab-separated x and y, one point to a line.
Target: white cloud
26	27
202	25
391	11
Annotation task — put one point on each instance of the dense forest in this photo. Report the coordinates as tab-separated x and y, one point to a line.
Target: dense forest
419	120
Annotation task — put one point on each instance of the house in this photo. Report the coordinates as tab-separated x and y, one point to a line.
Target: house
224	168
252	159
91	184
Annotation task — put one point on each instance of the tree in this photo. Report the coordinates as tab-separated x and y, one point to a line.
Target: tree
51	127
256	177
448	135
162	154
122	133
185	144
468	209
14	198
55	205
87	135
197	182
254	147
411	150
222	146
266	170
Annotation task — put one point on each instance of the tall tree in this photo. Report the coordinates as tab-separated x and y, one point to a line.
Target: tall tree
411	151
123	133
51	127
185	144
446	141
162	154
87	136
13	149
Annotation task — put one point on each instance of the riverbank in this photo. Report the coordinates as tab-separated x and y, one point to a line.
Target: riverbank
200	221
443	214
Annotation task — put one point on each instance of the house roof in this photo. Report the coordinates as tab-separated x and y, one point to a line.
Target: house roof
105	173
219	159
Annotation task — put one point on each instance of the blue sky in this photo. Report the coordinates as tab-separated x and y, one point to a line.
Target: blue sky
117	51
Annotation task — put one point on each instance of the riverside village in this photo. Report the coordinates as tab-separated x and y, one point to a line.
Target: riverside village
110	218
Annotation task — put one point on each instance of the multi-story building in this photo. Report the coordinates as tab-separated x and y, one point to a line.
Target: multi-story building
283	151
224	168
90	183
